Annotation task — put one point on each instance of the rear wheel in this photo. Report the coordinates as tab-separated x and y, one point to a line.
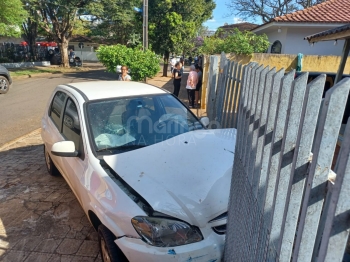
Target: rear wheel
110	252
51	168
4	85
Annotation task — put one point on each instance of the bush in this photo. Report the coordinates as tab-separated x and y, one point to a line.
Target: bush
141	64
241	43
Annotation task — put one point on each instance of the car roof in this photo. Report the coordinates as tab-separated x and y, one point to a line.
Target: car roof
94	90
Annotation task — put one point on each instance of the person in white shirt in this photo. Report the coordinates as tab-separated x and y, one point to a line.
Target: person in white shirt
124	75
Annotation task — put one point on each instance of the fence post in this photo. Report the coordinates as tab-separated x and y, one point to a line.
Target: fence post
205	82
325	142
236	96
211	86
221	88
228	95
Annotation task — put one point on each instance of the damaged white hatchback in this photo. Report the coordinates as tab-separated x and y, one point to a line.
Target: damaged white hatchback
153	181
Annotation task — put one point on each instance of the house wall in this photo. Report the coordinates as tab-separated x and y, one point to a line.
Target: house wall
295	43
292	39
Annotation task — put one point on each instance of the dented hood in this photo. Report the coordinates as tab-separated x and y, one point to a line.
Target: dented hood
187	177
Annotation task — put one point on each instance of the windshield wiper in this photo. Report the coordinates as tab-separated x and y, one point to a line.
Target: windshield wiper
121	147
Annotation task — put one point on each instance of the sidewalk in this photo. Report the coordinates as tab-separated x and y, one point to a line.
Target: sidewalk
40	217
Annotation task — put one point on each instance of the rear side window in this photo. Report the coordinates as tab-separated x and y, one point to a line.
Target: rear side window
71	125
56	107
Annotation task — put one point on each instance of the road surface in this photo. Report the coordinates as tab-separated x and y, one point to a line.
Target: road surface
22	107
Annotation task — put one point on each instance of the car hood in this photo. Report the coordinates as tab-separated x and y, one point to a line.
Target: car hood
187	176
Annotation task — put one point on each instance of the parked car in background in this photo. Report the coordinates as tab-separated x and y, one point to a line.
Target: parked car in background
153	181
5	80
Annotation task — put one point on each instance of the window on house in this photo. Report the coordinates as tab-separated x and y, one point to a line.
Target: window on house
276	47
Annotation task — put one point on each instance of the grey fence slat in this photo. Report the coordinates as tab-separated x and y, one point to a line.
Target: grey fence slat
285	169
262	238
251	117
262	128
272	112
256	126
336	231
227	113
221	88
304	143
222	103
246	110
237	96
212	77
278	131
325	142
242	108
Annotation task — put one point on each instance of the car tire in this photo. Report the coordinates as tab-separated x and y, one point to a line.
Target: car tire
110	252
51	168
4	85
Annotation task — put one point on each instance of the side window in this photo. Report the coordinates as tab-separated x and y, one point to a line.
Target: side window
71	125
56	108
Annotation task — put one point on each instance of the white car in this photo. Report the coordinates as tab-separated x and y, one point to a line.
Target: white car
153	181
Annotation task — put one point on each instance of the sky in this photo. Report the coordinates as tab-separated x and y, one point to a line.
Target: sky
220	16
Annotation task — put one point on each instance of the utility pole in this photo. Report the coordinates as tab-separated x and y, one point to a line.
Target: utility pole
145	27
145	24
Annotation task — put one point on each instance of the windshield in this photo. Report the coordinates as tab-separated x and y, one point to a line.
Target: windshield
128	123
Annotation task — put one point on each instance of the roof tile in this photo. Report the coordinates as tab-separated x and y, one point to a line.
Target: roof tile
331	11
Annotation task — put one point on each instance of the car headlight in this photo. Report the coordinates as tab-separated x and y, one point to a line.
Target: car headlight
163	232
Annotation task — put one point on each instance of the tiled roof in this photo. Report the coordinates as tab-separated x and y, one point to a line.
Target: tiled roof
240	26
342	29
331	11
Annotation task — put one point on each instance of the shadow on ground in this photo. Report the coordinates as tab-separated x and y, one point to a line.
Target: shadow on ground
40	217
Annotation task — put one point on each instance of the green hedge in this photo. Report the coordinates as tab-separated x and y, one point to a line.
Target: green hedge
141	64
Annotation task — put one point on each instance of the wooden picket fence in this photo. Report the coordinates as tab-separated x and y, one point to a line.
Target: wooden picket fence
283	206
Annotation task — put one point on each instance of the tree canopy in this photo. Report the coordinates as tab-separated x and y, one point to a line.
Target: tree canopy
172	24
267	9
241	43
113	19
12	14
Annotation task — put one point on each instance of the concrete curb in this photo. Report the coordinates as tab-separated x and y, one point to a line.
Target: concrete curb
7	145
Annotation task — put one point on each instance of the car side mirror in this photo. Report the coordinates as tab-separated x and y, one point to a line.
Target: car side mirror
205	121
64	149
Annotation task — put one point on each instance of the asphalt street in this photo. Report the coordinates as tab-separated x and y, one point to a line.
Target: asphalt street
22	107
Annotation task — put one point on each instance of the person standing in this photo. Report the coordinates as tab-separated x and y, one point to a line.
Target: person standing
177	78
199	71
124	75
192	81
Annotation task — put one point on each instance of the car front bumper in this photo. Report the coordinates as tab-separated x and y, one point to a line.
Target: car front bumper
209	249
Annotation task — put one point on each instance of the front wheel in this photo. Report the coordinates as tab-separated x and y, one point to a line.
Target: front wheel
4	85
110	252
51	168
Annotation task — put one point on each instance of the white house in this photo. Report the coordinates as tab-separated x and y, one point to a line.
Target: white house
286	33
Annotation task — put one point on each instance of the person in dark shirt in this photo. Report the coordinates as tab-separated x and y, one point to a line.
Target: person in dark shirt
177	78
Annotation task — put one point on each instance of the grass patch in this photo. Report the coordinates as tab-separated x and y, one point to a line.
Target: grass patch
32	72
40	70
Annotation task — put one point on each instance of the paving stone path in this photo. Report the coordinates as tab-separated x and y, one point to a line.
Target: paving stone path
40	218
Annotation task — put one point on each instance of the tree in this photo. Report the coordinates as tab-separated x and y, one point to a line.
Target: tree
57	18
12	14
114	19
173	23
241	43
30	29
82	27
267	9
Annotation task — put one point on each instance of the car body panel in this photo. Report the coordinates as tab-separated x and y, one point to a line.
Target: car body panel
6	73
188	171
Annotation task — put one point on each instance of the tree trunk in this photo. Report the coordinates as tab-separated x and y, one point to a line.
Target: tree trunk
64	52
166	63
